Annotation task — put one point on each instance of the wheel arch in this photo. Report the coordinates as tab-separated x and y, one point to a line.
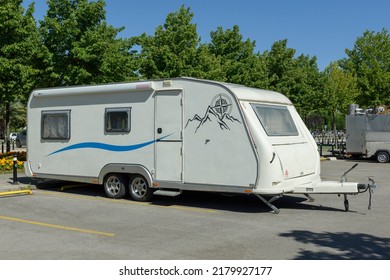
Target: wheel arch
125	169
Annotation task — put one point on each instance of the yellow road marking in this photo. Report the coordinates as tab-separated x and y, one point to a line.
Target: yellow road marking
56	226
132	202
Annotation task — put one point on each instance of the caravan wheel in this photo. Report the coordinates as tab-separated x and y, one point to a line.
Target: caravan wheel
139	189
115	185
382	157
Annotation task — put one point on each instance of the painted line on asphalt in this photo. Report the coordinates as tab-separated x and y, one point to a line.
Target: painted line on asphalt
56	226
184	208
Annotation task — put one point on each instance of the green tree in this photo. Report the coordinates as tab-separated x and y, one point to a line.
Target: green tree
308	84
297	78
83	48
369	61
340	89
19	53
173	50
207	65
280	67
238	60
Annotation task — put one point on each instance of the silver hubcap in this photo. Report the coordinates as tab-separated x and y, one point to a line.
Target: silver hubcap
382	158
113	185
139	187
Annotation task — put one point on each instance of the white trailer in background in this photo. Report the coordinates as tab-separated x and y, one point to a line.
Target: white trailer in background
166	136
368	132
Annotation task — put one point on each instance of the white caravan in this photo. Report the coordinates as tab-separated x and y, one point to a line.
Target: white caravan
166	136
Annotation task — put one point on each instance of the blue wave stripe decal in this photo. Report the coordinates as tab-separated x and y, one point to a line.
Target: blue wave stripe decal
107	147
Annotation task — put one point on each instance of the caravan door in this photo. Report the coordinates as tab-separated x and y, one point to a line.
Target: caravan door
168	135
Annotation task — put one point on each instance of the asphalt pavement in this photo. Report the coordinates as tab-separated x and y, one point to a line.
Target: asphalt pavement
22	182
82	223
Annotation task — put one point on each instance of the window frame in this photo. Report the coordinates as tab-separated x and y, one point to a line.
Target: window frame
66	135
115	110
265	124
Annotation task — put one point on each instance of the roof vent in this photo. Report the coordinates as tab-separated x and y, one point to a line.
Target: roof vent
167	83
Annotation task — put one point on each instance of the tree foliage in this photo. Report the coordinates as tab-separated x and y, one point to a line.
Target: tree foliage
296	77
74	44
83	47
173	50
20	52
340	89
369	61
237	58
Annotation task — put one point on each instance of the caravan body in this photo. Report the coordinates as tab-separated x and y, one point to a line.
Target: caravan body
173	135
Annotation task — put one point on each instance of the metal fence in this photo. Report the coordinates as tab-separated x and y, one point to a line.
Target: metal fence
10	146
333	144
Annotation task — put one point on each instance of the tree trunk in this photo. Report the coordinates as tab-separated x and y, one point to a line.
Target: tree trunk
7	120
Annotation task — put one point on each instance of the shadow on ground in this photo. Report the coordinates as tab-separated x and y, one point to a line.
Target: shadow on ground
341	245
207	200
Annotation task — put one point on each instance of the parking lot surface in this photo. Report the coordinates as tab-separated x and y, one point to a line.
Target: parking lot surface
65	221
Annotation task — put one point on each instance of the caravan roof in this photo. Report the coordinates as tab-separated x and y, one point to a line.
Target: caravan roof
254	94
241	92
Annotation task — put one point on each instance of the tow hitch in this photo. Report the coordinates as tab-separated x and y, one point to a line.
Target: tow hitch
362	188
341	187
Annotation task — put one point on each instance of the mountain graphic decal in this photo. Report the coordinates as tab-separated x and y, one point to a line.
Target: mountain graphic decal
218	112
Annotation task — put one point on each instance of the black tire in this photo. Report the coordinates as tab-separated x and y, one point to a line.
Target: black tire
18	144
382	157
139	188
115	185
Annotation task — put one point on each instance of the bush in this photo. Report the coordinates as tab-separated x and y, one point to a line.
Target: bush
7	160
20	155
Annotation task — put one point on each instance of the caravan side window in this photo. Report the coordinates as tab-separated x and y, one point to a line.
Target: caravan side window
118	119
276	120
55	125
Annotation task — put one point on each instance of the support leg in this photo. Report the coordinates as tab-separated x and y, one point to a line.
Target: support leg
346	203
311	199
268	202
